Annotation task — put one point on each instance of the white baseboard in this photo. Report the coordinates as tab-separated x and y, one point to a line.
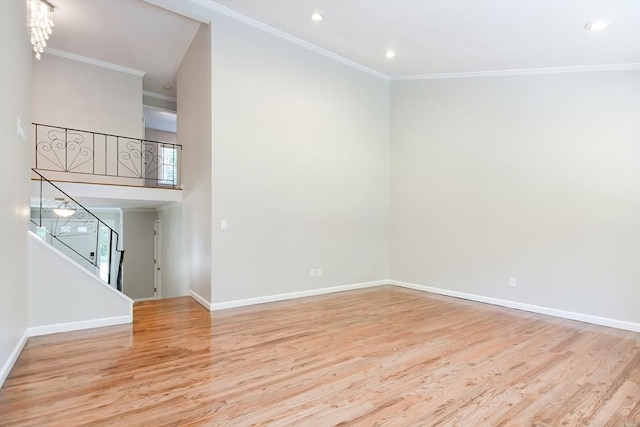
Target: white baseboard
35	331
206	304
13	357
596	320
299	294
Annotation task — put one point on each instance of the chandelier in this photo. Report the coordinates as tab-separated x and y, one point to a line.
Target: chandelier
64	209
41	24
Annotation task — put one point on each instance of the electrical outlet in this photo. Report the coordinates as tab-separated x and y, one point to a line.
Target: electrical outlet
318	272
512	282
312	274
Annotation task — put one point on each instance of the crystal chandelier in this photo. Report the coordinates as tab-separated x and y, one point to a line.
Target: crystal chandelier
41	24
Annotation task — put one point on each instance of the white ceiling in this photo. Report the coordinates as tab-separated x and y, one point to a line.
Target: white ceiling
436	37
428	36
128	33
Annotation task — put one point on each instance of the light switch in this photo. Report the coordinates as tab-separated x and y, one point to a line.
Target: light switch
223	224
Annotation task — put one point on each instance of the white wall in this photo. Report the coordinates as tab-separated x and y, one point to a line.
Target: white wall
300	167
63	295
82	96
15	76
194	133
158	135
137	238
172	277
534	177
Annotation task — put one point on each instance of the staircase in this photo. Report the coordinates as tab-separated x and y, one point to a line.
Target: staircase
75	231
75	255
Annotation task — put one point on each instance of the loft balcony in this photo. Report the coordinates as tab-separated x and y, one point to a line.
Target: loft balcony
107	170
81	156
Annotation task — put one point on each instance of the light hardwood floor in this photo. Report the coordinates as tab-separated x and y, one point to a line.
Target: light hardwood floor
384	356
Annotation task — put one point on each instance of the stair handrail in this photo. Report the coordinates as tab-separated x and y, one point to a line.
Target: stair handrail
111	230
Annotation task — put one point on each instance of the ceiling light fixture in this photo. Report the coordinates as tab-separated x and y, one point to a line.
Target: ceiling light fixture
41	23
316	17
64	209
597	25
390	54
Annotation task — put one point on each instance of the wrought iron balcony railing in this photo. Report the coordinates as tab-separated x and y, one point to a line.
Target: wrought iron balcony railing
133	161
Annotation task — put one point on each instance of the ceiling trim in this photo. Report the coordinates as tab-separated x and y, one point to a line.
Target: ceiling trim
154	108
96	62
149	209
522	72
186	8
159	96
215	7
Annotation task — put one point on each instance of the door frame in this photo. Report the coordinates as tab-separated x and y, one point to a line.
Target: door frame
157	259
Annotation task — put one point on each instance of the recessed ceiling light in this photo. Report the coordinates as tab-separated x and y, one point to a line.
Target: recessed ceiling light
316	17
597	25
390	54
167	87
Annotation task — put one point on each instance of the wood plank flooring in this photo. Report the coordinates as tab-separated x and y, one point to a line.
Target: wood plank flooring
378	357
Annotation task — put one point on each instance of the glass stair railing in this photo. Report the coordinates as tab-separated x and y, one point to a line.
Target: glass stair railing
77	232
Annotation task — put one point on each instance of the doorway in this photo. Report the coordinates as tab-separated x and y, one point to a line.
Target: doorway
157	258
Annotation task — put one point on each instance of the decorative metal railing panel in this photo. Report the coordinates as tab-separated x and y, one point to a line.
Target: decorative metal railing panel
139	161
77	232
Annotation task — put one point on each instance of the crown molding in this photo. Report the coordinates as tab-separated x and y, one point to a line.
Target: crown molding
187	8
92	61
159	96
522	72
199	5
